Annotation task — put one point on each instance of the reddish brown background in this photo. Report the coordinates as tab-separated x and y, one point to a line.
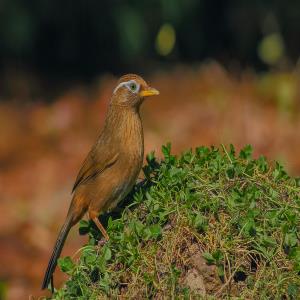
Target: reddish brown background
42	146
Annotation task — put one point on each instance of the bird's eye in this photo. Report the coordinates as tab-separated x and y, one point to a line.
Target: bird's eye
133	86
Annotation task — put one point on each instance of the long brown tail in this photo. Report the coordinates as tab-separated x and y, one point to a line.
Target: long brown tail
57	250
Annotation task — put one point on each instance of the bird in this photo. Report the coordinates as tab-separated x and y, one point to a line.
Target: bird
112	166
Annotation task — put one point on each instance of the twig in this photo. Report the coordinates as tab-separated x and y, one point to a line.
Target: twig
224	149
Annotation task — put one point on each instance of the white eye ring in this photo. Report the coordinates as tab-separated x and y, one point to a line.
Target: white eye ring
133	86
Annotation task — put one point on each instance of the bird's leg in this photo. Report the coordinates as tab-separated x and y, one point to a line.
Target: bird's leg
100	227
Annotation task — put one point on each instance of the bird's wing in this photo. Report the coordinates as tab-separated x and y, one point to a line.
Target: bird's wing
93	166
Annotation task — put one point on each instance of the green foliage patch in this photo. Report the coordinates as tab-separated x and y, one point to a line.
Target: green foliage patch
209	222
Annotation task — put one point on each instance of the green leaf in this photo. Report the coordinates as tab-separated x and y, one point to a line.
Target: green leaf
232	152
199	222
166	150
208	257
220	271
84	227
249	228
155	230
230	172
279	172
66	264
150	157
293	290
174	171
246	152
291	239
268	241
262	164
89	255
250	168
138	227
217	255
106	253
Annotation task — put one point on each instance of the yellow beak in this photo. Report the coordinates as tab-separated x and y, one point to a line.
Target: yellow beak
149	92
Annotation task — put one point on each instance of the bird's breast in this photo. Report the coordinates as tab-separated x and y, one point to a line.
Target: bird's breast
128	138
132	140
127	168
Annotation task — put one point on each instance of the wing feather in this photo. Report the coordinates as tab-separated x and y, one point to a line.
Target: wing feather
93	166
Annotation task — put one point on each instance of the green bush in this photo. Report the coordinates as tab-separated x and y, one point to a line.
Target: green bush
209	222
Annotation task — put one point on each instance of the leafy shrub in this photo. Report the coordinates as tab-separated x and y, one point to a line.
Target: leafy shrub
239	215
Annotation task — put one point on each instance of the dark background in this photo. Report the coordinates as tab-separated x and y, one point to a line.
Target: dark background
82	39
227	72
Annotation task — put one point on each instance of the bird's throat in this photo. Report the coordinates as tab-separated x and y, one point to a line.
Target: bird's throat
124	124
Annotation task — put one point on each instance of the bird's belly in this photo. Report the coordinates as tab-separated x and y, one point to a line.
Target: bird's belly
126	178
119	194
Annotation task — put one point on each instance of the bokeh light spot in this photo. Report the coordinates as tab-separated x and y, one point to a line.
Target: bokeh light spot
271	49
165	40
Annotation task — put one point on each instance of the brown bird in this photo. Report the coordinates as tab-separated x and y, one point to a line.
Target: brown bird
112	165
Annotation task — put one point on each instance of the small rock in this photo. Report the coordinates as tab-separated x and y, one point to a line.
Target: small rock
195	282
202	267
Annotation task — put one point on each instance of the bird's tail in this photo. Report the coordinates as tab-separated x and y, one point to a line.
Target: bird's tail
57	250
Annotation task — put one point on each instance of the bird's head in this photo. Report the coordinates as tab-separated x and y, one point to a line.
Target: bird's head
131	90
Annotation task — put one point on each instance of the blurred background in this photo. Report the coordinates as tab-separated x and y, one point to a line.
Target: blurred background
228	72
